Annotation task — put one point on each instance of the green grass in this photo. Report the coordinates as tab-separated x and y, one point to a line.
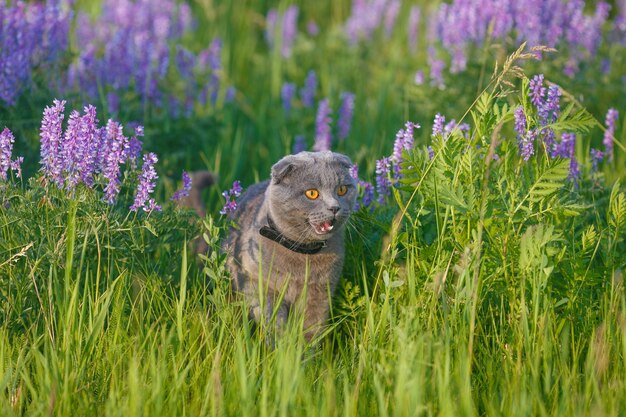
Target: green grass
484	288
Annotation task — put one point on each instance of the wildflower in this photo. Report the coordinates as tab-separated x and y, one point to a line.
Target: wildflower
404	141
230	196
271	21
307	93
32	35
16	166
116	142
129	48
290	22
383	185
419	77
609	134
146	185
90	135
230	94
354	171
574	169
287	92
312	28
6	150
71	150
368	193
596	157
299	144
438	124
180	194
537	90
414	20
520	125
566	148
322	124
133	150
51	159
527	144
436	69
391	14
431	152
549	111
346	111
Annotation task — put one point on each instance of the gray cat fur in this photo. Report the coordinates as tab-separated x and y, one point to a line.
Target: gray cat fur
304	282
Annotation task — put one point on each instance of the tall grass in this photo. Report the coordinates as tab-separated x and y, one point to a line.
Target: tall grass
485	286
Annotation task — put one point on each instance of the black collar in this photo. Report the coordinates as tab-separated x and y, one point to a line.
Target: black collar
272	233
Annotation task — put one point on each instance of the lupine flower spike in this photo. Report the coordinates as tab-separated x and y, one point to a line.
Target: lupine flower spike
180	194
231	196
146	185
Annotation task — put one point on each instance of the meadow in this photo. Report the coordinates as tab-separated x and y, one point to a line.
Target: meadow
485	265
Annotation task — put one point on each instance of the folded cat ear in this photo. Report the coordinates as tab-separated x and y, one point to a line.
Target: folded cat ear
343	160
282	168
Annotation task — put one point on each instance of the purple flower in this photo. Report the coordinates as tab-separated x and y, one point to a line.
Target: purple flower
128	48
229	207
299	144
307	93
115	145
271	21
290	23
230	196
438	124
566	148
6	150
419	77
609	134
346	110
33	36
368	193
383	184
404	141
51	130
180	194
549	111
414	21
147	180
520	124
287	92
16	166
236	189
90	143
527	148
312	28
574	170
322	127
72	150
431	152
230	94
436	69
537	90
354	171
391	14
596	157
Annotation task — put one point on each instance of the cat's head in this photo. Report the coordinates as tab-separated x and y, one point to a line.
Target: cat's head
311	195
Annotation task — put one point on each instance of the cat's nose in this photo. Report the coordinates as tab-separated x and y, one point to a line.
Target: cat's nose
334	209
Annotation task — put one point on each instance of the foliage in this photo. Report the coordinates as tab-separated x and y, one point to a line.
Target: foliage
485	283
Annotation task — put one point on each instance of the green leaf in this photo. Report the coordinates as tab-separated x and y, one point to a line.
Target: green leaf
550	181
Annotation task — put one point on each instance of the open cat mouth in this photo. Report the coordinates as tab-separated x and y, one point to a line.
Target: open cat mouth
324	227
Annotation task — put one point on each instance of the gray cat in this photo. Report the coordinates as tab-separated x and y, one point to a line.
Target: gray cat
286	252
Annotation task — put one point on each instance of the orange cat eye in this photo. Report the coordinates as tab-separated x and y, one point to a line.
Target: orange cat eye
342	190
312	194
